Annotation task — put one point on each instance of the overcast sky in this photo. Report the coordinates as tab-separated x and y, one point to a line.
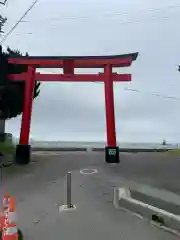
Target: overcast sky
88	27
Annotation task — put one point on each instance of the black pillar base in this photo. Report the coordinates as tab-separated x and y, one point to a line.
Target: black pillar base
23	154
112	154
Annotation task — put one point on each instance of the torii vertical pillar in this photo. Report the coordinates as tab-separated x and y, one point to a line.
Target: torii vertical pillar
23	150
111	150
68	64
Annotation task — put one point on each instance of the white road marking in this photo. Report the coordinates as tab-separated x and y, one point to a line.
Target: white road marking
88	171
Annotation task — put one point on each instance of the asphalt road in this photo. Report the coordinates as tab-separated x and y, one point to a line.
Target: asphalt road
39	187
156	169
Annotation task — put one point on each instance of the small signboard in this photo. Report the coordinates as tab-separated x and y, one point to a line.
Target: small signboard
112	154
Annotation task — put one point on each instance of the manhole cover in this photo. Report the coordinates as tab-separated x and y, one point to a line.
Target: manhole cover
88	171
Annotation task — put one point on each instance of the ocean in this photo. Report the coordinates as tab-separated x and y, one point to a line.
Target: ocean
96	144
56	144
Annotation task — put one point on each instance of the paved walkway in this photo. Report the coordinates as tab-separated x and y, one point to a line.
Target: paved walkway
40	188
94	217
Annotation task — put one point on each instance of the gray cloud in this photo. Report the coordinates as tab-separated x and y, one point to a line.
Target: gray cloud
76	111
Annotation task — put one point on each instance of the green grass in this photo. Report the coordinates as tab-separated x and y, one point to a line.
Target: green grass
176	151
7	148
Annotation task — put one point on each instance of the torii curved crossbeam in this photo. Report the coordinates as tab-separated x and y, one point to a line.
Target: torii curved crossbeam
69	63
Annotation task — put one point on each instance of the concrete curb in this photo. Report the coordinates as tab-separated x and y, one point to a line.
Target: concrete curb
60	149
168	202
123	199
95	149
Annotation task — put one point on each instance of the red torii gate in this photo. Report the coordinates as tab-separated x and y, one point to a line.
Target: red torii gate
69	63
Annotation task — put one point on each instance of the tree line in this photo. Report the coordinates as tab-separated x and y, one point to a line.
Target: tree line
12	92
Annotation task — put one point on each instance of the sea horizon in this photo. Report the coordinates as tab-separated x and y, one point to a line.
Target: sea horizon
56	144
101	143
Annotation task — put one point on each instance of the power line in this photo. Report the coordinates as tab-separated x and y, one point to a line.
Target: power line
154	18
104	15
150	93
17	23
166	96
107	14
89	17
154	94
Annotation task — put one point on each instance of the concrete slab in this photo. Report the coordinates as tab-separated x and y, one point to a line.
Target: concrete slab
159	198
124	199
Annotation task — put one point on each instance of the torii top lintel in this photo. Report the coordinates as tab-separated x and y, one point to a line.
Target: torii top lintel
77	61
